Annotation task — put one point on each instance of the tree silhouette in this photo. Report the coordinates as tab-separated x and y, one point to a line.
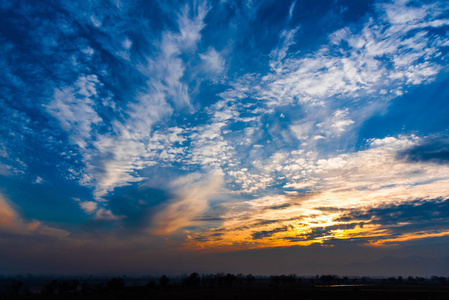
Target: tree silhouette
151	284
10	287
84	287
193	280
115	284
51	288
68	287
163	281
219	278
328	279
230	278
250	279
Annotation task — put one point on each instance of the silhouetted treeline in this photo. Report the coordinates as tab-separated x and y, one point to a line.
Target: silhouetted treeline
205	284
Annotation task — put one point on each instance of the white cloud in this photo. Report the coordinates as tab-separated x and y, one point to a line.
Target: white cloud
105	214
89	207
5	170
208	147
126	152
3	152
338	87
114	159
213	61
127	43
88	51
291	9
74	108
399	13
303	130
278	54
96	21
336	74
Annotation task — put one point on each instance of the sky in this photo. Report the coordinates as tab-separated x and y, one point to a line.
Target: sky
262	137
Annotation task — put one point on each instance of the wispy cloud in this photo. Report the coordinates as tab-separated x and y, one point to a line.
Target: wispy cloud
193	195
213	61
75	109
113	159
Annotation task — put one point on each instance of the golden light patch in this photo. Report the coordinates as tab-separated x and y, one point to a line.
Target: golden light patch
408	237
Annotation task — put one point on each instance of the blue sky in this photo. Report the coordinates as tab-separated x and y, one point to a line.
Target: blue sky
166	129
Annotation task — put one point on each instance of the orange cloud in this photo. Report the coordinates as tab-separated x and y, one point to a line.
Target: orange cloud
8	217
10	221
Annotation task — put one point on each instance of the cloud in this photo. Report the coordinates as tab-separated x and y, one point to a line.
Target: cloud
291	9
432	150
423	213
88	206
74	108
276	137
39	180
165	91
317	233
5	169
334	90
265	233
114	141
105	215
11	223
8	217
373	181
213	61
416	219
129	116
193	195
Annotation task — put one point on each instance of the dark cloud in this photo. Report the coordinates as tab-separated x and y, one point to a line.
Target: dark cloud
267	233
416	216
265	222
317	232
330	209
419	211
436	151
210	219
275	207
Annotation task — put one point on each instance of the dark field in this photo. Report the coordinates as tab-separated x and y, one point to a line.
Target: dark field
227	287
